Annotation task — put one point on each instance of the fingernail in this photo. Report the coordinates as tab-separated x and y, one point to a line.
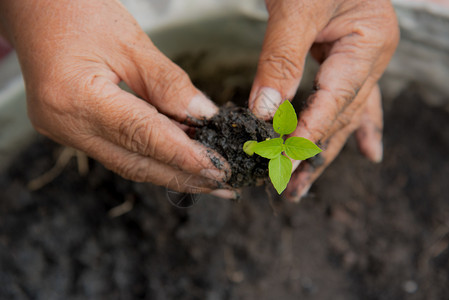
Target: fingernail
296	164
266	103
372	149
214	174
303	193
201	107
226	194
378	154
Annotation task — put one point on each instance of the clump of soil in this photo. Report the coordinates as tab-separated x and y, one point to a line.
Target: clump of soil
226	133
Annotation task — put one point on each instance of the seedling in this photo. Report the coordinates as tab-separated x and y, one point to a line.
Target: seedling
280	150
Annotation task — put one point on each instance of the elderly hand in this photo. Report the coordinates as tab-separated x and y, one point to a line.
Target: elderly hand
73	54
353	40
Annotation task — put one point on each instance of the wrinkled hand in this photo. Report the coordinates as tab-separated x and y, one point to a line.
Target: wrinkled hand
353	40
73	54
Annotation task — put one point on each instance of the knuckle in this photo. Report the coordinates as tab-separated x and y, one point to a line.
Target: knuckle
345	107
173	158
163	86
343	120
139	134
179	157
150	135
143	135
314	133
282	65
344	96
133	170
338	100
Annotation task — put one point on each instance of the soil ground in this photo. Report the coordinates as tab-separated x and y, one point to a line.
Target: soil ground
365	232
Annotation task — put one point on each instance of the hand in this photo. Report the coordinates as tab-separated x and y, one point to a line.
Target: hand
73	54
353	40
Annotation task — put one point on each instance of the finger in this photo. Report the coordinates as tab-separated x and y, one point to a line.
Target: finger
308	171
370	144
135	125
369	134
158	80
290	32
342	84
226	194
139	168
346	119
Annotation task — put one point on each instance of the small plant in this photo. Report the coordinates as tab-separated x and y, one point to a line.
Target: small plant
277	149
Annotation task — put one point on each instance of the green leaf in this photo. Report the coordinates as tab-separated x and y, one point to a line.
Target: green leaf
269	148
248	147
280	171
300	148
285	120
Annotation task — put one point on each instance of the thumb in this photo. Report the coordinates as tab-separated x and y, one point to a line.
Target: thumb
289	35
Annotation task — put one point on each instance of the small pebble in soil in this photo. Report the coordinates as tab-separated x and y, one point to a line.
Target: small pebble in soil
410	286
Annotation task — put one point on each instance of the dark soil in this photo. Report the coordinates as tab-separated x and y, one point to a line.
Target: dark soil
226	133
366	232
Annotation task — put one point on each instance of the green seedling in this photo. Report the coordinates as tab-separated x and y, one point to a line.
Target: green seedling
280	150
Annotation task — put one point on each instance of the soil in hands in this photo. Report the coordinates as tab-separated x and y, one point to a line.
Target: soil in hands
226	133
